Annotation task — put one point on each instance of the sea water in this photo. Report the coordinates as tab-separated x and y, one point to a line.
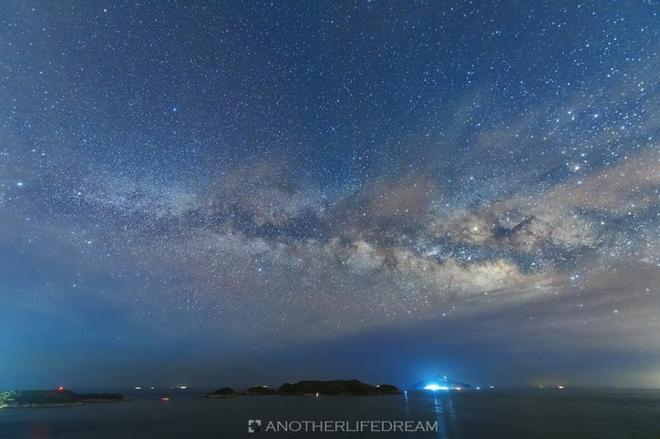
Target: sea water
548	413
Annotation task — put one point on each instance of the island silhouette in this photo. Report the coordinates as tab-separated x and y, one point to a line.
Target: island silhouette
352	387
65	397
53	398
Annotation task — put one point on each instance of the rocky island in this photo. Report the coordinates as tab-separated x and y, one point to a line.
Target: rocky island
312	388
53	398
337	387
261	390
224	392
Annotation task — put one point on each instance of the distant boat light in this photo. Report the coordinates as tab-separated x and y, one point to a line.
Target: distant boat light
183	387
435	387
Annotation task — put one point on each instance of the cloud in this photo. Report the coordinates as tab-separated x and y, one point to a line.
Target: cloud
255	251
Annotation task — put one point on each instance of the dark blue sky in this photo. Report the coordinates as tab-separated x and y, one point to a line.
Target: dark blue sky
236	192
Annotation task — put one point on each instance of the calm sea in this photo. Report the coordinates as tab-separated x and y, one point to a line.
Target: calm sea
482	414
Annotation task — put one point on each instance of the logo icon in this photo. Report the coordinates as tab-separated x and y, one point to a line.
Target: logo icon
254	425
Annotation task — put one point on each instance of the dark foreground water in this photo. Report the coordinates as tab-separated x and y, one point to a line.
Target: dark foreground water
479	414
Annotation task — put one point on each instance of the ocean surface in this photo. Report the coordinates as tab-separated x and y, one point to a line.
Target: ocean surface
548	413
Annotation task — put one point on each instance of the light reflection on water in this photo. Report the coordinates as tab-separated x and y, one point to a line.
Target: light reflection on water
439	411
441	406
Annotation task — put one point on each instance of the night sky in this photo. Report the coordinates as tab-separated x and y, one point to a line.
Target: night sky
256	192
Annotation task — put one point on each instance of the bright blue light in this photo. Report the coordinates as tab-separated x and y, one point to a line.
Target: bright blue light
434	387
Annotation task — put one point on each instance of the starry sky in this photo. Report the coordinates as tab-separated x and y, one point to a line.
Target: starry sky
244	192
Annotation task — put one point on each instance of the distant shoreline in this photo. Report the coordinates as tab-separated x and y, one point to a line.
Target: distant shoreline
54	398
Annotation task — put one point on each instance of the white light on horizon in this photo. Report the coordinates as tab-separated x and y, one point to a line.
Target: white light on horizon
434	387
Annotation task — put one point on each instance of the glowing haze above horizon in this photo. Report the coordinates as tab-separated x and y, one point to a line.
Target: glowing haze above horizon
252	192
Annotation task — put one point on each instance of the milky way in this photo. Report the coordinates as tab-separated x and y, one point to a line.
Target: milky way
465	188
